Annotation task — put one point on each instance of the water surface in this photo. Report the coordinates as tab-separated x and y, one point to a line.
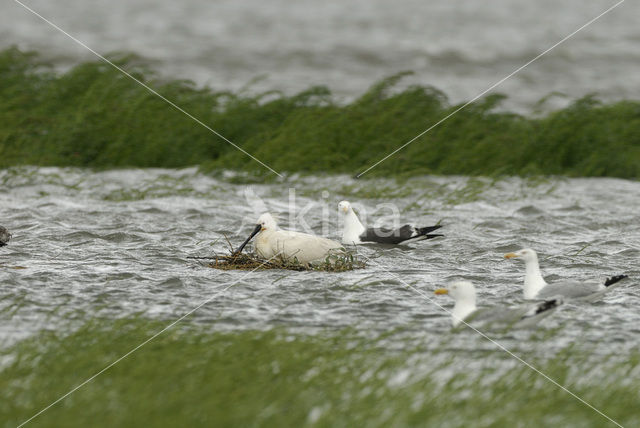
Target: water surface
460	47
114	244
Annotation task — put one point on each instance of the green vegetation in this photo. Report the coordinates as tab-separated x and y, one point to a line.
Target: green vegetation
94	116
191	377
338	262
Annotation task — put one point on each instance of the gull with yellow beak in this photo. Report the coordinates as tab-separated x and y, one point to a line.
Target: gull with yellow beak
465	309
289	245
535	287
355	233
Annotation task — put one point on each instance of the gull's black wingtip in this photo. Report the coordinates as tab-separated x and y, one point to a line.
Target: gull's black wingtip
549	304
614	279
428	229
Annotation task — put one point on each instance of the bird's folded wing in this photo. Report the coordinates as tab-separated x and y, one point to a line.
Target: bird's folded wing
570	289
383	235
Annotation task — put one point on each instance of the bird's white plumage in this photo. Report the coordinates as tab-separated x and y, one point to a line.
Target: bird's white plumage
465	309
535	287
353	228
290	245
354	232
464	294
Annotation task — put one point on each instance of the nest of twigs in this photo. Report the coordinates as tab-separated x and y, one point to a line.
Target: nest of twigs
336	263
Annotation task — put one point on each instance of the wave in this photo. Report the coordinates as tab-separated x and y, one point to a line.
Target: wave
94	116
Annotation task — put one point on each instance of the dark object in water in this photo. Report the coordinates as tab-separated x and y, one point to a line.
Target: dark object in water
5	236
547	305
614	279
406	233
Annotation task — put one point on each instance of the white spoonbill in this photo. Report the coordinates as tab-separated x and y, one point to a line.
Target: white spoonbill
355	233
464	294
289	245
535	287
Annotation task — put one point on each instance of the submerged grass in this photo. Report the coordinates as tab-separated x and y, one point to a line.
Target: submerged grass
93	116
191	377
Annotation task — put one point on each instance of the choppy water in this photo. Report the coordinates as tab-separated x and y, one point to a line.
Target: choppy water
113	244
461	47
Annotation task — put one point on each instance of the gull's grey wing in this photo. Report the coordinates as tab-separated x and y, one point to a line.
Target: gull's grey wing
495	314
518	316
570	289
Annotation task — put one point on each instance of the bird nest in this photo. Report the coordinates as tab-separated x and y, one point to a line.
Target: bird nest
335	263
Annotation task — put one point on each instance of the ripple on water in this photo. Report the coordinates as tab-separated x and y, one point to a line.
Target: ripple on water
173	282
86	255
530	211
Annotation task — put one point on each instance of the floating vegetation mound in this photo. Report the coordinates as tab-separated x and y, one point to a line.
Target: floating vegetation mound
94	116
338	263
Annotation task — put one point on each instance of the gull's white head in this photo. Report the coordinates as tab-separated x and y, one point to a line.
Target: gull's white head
461	291
526	254
464	293
352	226
344	207
267	222
533	280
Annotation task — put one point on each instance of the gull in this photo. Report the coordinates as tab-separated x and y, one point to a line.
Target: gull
464	294
5	236
355	233
535	287
289	245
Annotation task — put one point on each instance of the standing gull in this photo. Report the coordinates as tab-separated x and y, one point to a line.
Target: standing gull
289	245
464	294
535	287
355	233
5	236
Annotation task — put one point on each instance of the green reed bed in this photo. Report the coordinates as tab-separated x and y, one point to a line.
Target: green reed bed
93	116
191	377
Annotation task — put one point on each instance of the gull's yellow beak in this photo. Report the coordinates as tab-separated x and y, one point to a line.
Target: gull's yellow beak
442	291
510	256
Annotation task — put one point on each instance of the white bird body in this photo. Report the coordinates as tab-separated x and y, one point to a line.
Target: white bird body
289	245
355	233
535	287
352	228
465	309
295	245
